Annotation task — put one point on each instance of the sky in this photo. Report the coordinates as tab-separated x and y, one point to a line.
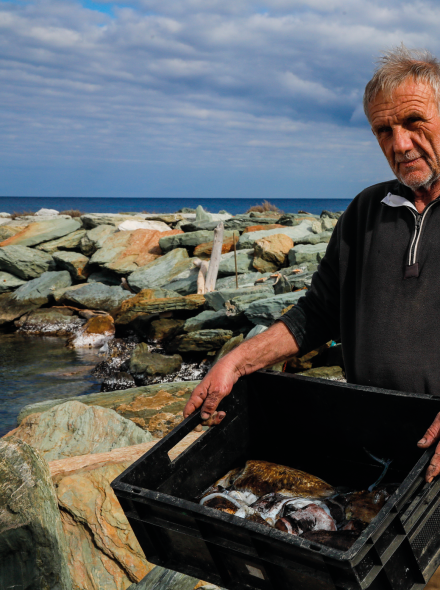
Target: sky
195	98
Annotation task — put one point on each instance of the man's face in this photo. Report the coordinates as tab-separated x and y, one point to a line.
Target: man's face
407	127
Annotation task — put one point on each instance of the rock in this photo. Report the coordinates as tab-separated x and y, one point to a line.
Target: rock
217	299
160	272
120	380
245	280
10	309
24	262
244	263
95	238
334	373
69	242
268	310
163	579
204	251
145	364
292	219
139	402
307	253
331	214
103	552
39	291
237	305
6	231
47	212
74	262
42	231
163	423
248	240
72	429
32	544
151	225
244	223
201	340
164	329
168	218
252	228
144	303
202	215
95	296
92	220
185	283
328	224
322	238
259	329
9	282
106	277
199	321
228	346
270	253
4	215
95	333
198	226
316	226
189	240
50	322
58	295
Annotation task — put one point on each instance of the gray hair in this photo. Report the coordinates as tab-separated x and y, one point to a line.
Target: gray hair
397	65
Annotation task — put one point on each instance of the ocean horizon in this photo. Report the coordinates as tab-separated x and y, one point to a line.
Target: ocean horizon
163	205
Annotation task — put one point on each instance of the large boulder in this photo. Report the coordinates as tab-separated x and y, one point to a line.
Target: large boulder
128	251
95	238
164	328
69	242
104	276
72	429
50	322
292	219
39	290
306	253
200	340
217	299
144	364
247	240
204	250
160	272
190	239
150	224
244	263
270	253
162	579
43	231
11	309
25	263
266	311
95	333
9	282
241	224
95	296
32	544
144	303
92	220
75	263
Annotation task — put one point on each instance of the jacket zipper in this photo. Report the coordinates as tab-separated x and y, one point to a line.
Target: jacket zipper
420	218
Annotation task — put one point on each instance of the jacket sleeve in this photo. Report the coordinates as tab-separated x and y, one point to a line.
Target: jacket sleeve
314	320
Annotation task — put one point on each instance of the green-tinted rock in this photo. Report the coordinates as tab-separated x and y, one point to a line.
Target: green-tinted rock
147	364
199	225
74	262
95	296
268	310
92	220
217	299
185	283
201	340
292	219
164	328
228	346
111	248
25	263
39	290
32	544
248	239
160	272
144	304
241	223
69	242
199	321
50	322
163	579
44	231
245	260
241	303
324	373
304	254
331	214
11	309
9	282
95	238
104	276
189	240
322	238
202	215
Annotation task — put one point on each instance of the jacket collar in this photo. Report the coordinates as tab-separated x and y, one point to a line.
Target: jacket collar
398	201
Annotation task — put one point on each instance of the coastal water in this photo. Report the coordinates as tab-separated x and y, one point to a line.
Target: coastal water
34	369
122	204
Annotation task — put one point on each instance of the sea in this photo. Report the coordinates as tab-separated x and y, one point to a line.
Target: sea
140	205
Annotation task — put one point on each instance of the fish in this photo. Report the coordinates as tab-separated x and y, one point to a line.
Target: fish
261	478
223	483
365	505
310	518
222	502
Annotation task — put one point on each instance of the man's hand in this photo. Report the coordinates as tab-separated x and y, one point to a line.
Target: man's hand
431	436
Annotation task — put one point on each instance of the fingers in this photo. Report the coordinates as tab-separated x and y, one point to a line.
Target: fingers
431	435
214	419
196	400
434	467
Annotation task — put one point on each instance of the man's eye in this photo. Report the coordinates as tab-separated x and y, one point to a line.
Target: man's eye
414	119
383	130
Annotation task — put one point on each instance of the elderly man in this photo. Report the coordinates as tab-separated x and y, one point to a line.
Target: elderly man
378	286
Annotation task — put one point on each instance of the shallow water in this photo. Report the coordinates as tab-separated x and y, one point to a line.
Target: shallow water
34	369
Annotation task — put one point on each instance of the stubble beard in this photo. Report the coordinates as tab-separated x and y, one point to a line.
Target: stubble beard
417	183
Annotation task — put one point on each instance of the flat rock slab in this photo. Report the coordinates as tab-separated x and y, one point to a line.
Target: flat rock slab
248	240
75	263
189	240
217	299
92	220
95	296
266	311
106	277
11	309
38	291
304	253
32	544
153	225
9	282
95	238
69	242
161	271
25	263
72	429
245	260
144	363
162	579
200	340
43	231
50	322
143	303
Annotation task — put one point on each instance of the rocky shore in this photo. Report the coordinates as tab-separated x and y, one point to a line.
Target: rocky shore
127	285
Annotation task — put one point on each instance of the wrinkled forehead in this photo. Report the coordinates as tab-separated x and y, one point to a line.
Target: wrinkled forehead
409	95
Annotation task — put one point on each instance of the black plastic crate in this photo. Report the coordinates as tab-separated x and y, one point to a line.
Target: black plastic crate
321	427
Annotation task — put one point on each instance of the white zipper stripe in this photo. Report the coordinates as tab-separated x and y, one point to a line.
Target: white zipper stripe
417	235
414	237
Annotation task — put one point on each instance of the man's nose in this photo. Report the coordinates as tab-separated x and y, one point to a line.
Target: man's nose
402	141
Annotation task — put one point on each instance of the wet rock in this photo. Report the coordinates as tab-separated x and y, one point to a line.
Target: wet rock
118	352
69	242
144	304
50	322
38	291
95	238
244	263
201	340
25	263
189	240
268	310
248	240
32	545
228	346
144	364
304	254
163	423
42	231
105	277
11	309
217	299
9	282
75	263
164	329
121	380
92	220
96	296
160	272
270	253
72	429
95	333
102	551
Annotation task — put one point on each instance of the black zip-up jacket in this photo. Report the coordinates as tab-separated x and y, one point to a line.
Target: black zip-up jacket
378	290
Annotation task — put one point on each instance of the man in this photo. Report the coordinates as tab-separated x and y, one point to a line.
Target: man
378	286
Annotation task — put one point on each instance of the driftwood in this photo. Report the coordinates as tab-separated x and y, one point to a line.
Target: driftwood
235	259
201	278
214	263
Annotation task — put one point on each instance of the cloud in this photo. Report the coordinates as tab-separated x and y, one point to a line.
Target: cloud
211	85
